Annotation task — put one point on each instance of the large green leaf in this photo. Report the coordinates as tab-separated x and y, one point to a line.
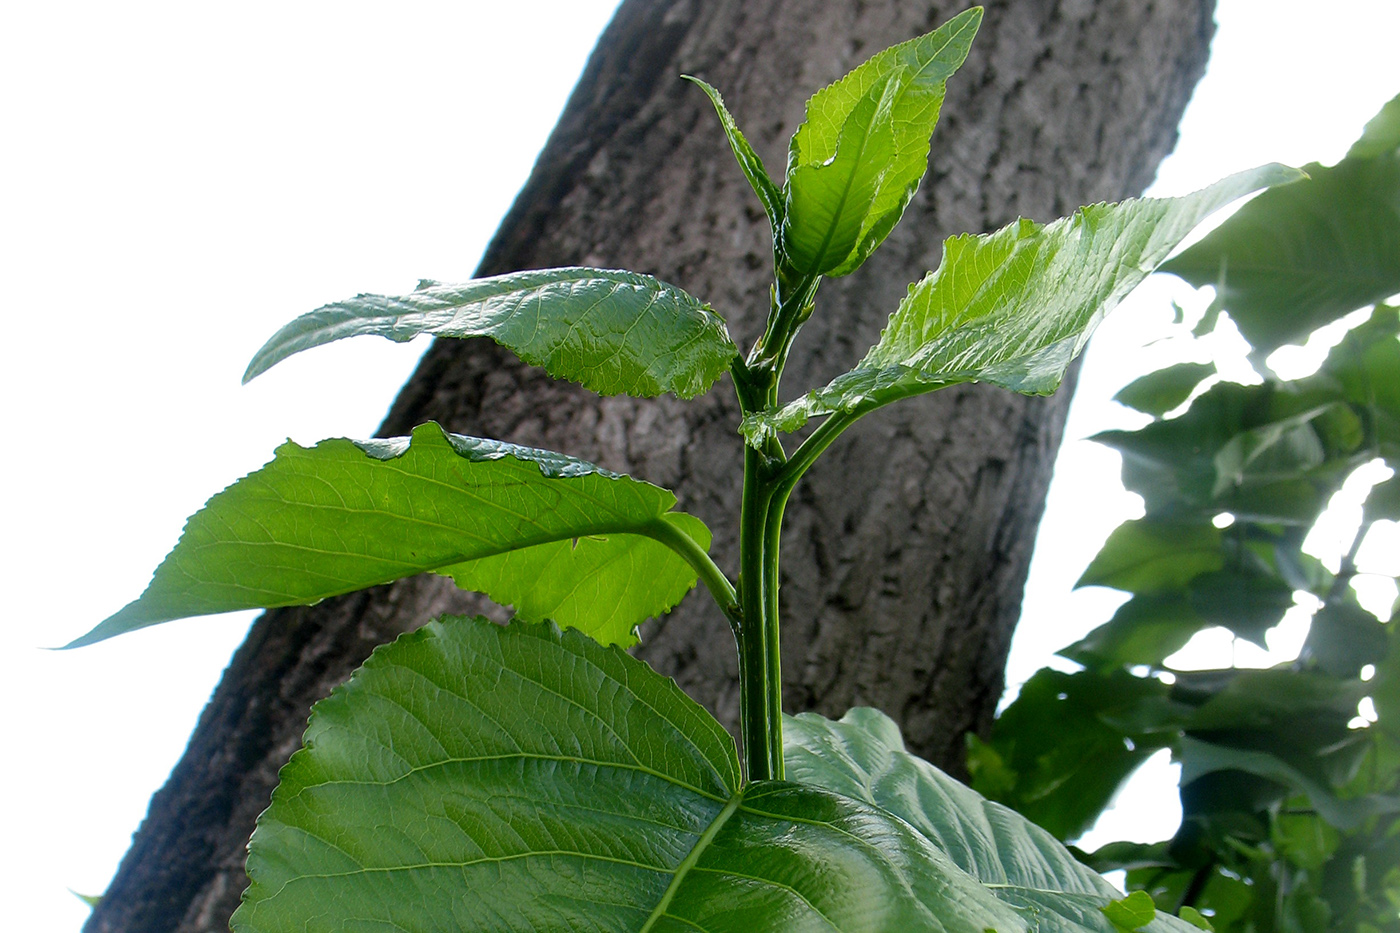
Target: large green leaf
1299	257
613	332
1015	307
519	778
558	536
863	757
478	777
856	161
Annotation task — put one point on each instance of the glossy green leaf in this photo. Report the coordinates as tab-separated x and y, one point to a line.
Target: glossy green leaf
612	332
769	194
1153	556
1298	257
863	757
857	159
345	515
1015	307
1158	393
487	778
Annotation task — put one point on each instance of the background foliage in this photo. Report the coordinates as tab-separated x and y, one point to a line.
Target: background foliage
1290	776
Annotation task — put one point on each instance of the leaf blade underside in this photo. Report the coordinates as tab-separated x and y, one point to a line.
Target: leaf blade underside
611	331
343	515
1014	307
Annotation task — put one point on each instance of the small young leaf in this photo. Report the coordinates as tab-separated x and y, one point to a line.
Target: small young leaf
612	332
857	160
769	194
1015	307
1132	912
344	515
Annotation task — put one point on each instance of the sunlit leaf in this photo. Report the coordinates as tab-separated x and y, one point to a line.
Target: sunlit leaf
345	515
613	332
1015	307
857	159
1132	912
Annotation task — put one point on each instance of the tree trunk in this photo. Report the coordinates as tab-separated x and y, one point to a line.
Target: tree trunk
906	548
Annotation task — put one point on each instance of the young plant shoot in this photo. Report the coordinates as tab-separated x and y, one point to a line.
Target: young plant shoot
533	776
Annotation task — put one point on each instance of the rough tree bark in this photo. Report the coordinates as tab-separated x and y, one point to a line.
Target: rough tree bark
906	549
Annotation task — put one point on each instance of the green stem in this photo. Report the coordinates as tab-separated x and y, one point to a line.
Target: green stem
810	449
694	555
760	691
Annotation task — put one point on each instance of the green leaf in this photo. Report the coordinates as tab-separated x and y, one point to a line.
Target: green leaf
345	515
1194	917
1145	630
612	332
1158	393
1202	758
769	194
1344	638
1071	740
1154	556
490	778
863	757
857	159
1014	307
1299	257
1132	912
1245	601
1382	133
92	900
479	777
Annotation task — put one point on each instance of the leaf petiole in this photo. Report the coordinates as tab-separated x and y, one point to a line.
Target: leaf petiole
693	554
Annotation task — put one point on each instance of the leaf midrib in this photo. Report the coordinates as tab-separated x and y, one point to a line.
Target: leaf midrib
691	858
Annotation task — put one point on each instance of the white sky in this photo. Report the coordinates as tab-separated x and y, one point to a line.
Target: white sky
178	180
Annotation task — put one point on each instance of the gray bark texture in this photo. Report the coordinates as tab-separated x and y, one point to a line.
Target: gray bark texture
906	548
